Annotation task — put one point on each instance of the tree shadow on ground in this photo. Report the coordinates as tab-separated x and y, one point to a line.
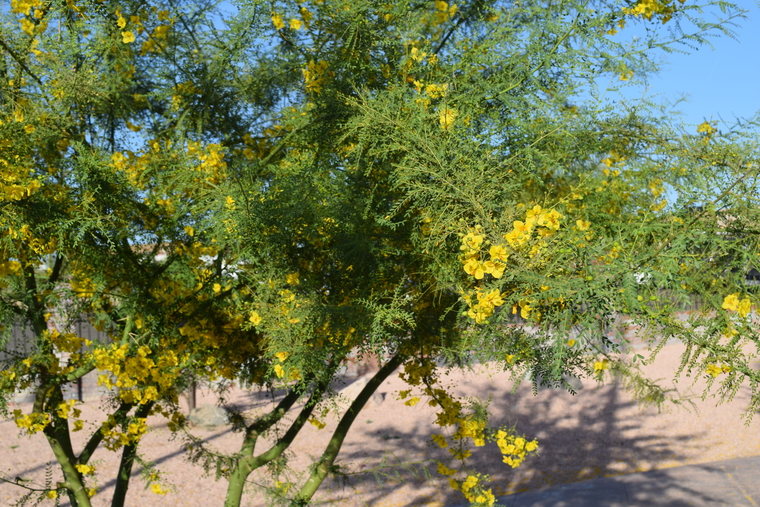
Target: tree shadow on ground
105	489
257	398
593	434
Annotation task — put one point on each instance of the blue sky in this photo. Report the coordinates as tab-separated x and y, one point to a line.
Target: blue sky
719	83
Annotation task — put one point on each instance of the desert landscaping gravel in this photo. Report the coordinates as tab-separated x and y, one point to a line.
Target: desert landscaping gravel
389	460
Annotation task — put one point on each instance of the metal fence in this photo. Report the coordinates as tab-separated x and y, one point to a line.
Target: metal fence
20	343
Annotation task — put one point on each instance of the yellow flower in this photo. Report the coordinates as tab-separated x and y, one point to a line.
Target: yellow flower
52	494
582	225
521	232
436	91
279	371
446	118
744	307
27	26
444	470
85	469
282	356
278	22
706	128
470	482
713	370
550	219
157	489
440	441
306	14
498	253
495	269
412	401
731	302
600	366
625	75
474	268
127	37
316	423
64	408
490	299
315	75
254	318
471	241
296	24
418	55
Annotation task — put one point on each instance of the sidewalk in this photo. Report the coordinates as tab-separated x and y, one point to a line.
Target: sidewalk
734	482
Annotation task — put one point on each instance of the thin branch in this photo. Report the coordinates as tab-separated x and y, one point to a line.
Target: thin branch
21	63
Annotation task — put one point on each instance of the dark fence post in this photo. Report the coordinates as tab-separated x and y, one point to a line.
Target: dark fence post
193	400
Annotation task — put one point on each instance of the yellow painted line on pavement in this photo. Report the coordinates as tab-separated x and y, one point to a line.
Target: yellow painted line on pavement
583	475
741	489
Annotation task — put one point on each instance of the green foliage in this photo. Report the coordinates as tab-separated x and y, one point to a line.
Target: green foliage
261	192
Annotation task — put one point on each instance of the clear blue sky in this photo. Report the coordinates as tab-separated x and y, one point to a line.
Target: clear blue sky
720	83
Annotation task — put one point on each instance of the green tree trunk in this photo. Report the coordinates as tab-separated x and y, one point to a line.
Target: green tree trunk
58	438
247	463
125	466
325	462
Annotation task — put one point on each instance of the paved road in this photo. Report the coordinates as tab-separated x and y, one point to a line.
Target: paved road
734	482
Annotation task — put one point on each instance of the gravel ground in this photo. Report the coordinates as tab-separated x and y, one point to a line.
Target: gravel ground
389	460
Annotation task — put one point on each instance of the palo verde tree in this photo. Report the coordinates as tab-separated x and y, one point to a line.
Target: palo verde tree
259	191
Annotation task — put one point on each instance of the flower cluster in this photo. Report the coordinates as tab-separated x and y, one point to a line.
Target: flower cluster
648	9
537	219
116	436
278	368
479	262
66	342
315	75
734	304
473	490
706	129
139	377
470	427
17	185
8	268
66	409
483	304
446	117
474	260
212	165
442	12
514	448
715	370
32	422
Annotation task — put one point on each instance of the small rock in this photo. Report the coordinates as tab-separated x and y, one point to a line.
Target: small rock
208	416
